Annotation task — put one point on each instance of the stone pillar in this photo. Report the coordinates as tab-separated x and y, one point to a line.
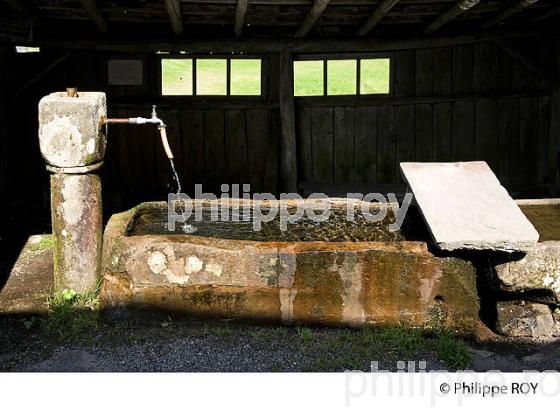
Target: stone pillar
72	141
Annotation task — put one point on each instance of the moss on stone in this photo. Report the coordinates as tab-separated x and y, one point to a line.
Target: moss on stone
47	242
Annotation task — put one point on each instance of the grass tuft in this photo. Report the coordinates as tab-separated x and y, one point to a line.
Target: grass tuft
305	334
47	242
269	334
452	351
71	316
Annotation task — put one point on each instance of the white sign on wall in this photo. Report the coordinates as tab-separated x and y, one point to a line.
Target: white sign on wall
125	72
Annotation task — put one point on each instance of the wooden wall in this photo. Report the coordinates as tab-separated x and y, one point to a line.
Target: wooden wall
215	140
212	146
456	103
470	102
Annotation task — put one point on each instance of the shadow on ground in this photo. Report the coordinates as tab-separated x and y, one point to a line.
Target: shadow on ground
163	344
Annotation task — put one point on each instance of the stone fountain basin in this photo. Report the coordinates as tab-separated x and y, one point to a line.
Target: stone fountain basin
339	282
537	270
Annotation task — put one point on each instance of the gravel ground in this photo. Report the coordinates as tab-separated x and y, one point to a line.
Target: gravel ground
229	347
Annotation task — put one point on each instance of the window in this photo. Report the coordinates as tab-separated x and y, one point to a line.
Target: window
343	76
245	77
24	49
375	74
206	76
308	78
211	76
177	76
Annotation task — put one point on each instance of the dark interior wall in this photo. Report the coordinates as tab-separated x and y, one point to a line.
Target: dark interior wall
455	103
212	146
469	102
3	129
219	140
215	140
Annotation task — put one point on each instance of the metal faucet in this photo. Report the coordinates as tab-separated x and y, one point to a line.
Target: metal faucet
154	119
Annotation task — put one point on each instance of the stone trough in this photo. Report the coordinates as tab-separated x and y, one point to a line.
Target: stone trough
537	270
337	279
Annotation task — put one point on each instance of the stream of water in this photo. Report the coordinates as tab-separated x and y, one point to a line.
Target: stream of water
175	176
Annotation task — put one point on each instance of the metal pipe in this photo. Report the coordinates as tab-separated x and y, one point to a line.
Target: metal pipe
154	119
116	121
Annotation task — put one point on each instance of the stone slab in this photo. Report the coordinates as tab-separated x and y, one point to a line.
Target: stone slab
31	278
466	207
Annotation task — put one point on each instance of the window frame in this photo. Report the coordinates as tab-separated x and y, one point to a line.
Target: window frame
349	56
228	57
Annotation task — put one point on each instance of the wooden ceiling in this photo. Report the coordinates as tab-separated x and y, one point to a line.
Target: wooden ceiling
160	20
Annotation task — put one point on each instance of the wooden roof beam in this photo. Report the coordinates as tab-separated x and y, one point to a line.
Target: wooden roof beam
240	11
459	8
509	11
316	11
21	7
547	15
376	16
90	6
175	15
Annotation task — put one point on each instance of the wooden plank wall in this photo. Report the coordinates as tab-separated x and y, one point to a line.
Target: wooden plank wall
455	103
212	146
470	102
215	141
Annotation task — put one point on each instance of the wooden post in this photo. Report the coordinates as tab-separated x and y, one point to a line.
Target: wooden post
376	16
459	8
316	11
288	151
554	132
240	11
4	150
175	15
299	46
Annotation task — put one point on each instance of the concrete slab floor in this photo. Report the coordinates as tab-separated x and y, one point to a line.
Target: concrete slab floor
30	281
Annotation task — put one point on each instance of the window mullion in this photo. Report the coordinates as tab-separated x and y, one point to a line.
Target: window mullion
228	76
194	76
358	75
325	77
